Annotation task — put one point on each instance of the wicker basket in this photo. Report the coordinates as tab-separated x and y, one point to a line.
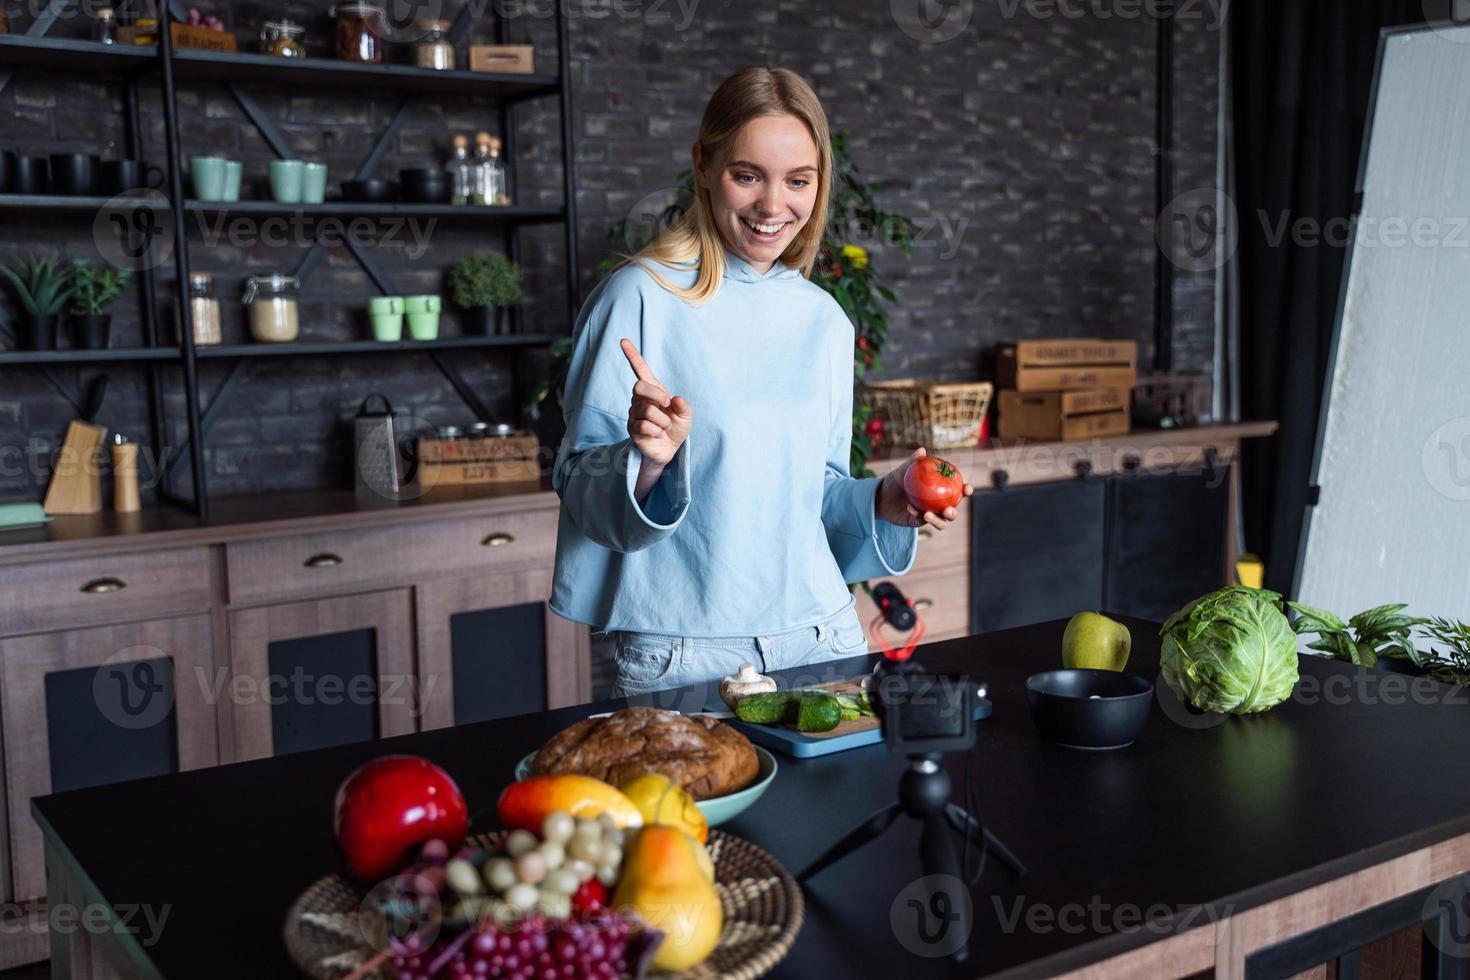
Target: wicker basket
761	901
932	414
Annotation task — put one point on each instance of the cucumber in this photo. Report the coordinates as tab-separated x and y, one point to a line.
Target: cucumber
766	709
819	712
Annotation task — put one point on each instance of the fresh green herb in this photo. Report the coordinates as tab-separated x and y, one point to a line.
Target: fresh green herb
96	288
41	287
1383	631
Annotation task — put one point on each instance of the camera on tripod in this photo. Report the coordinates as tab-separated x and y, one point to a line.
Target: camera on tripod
921	712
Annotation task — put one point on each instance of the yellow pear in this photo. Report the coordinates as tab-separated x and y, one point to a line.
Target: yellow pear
1092	640
664	883
663	801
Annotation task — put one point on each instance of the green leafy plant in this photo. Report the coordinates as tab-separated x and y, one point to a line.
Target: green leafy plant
1232	651
96	287
485	279
41	286
1383	631
844	268
1449	659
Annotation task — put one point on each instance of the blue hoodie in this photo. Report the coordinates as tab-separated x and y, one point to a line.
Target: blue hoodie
756	525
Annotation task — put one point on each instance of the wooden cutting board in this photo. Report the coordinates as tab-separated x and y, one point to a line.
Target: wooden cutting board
847	735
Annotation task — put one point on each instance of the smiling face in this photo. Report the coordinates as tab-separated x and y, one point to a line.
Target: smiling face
764	190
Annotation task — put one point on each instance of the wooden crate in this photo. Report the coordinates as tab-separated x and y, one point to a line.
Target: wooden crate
463	474
184	36
1064	415
519	446
1052	365
507	59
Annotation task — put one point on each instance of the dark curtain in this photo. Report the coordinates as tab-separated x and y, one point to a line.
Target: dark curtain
1303	71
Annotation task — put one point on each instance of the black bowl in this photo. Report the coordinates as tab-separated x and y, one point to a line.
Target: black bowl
422	186
372	190
1089	709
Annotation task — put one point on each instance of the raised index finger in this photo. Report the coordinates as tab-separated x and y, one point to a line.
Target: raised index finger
640	366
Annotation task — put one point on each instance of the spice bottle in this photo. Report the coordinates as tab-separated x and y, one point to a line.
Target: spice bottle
282	38
461	172
435	51
203	311
360	31
104	30
489	173
272	306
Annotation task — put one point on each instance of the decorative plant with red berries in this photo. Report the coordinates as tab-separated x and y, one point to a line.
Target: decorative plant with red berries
844	268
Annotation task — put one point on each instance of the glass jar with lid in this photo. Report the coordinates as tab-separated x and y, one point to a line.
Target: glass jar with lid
283	38
204	312
435	50
361	28
104	28
270	302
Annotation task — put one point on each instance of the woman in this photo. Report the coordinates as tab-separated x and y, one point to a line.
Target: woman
710	539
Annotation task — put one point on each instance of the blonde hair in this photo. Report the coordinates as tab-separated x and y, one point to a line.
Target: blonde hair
693	240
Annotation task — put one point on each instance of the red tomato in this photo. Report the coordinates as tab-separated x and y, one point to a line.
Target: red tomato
933	484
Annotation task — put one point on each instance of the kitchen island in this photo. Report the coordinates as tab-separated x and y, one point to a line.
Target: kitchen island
1258	846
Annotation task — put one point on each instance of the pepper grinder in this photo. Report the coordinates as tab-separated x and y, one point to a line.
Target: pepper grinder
124	475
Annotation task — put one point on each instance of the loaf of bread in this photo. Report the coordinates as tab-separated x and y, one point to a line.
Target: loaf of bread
702	754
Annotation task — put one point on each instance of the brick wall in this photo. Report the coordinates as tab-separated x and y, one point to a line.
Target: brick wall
1016	132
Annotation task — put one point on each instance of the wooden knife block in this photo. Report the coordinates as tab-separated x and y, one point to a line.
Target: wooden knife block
76	483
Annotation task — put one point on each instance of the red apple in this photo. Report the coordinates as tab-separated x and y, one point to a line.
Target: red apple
391	805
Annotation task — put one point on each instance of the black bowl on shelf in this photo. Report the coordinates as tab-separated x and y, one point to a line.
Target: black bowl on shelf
425	186
1089	709
373	190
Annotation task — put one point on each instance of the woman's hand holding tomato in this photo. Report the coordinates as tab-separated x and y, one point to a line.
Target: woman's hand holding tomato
932	482
657	423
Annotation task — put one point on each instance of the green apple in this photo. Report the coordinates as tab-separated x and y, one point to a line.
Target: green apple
1094	641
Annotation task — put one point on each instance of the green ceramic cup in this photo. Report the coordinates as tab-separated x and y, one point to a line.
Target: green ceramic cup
385	304
286	180
209	177
423	326
387	327
418	304
313	183
230	186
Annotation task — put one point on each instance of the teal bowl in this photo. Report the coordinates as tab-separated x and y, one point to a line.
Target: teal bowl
718	809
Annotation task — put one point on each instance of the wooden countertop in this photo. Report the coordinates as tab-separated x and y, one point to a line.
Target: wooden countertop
296	512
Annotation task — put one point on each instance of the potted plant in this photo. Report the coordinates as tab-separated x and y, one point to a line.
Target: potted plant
95	289
42	289
483	284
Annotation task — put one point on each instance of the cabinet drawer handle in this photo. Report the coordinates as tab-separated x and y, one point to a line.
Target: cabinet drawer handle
922	604
497	539
925	534
99	586
324	560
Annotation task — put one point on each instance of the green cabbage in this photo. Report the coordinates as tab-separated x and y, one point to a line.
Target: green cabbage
1232	651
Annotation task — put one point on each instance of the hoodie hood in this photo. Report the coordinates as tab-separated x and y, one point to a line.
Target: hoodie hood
740	270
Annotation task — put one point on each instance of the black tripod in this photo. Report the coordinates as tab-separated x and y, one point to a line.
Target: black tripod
923	793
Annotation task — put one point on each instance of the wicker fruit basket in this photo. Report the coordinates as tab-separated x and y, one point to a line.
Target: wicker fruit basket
762	906
936	415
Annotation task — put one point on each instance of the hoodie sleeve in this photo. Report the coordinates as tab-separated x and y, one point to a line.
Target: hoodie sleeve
597	466
865	545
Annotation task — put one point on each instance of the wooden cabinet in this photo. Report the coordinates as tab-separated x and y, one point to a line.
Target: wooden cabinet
307	675
489	647
90	706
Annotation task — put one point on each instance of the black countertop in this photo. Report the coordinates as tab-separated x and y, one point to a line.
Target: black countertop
1355	769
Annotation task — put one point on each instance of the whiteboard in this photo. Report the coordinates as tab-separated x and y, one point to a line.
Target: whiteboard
1392	523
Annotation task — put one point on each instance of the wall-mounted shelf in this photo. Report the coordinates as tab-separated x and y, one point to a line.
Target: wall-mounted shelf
23	51
518	213
34	51
316	348
261	69
111	354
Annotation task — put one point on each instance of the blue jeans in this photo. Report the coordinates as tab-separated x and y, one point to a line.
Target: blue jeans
650	662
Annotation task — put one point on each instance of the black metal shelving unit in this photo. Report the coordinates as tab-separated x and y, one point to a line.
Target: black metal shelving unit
34	51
